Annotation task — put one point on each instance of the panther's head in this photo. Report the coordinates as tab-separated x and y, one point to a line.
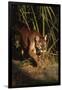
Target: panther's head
41	44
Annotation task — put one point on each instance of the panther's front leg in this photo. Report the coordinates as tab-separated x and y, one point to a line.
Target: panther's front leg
32	52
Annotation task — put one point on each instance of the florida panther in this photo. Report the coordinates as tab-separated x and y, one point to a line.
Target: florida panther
32	42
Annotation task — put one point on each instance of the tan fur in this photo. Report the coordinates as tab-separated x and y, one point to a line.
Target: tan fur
30	40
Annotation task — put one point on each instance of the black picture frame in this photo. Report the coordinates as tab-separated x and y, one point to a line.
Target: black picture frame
12	19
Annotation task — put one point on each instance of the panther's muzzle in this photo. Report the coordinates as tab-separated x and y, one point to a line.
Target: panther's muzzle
39	51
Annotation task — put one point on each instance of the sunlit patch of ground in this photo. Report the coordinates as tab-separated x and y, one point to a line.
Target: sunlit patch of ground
46	70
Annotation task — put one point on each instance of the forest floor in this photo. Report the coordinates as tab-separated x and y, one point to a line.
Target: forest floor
25	74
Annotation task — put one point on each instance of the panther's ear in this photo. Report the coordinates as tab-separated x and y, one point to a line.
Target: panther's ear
45	37
37	38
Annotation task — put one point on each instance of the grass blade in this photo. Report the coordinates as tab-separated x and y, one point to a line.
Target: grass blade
34	27
22	12
35	19
52	11
53	25
52	46
43	17
46	17
49	13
